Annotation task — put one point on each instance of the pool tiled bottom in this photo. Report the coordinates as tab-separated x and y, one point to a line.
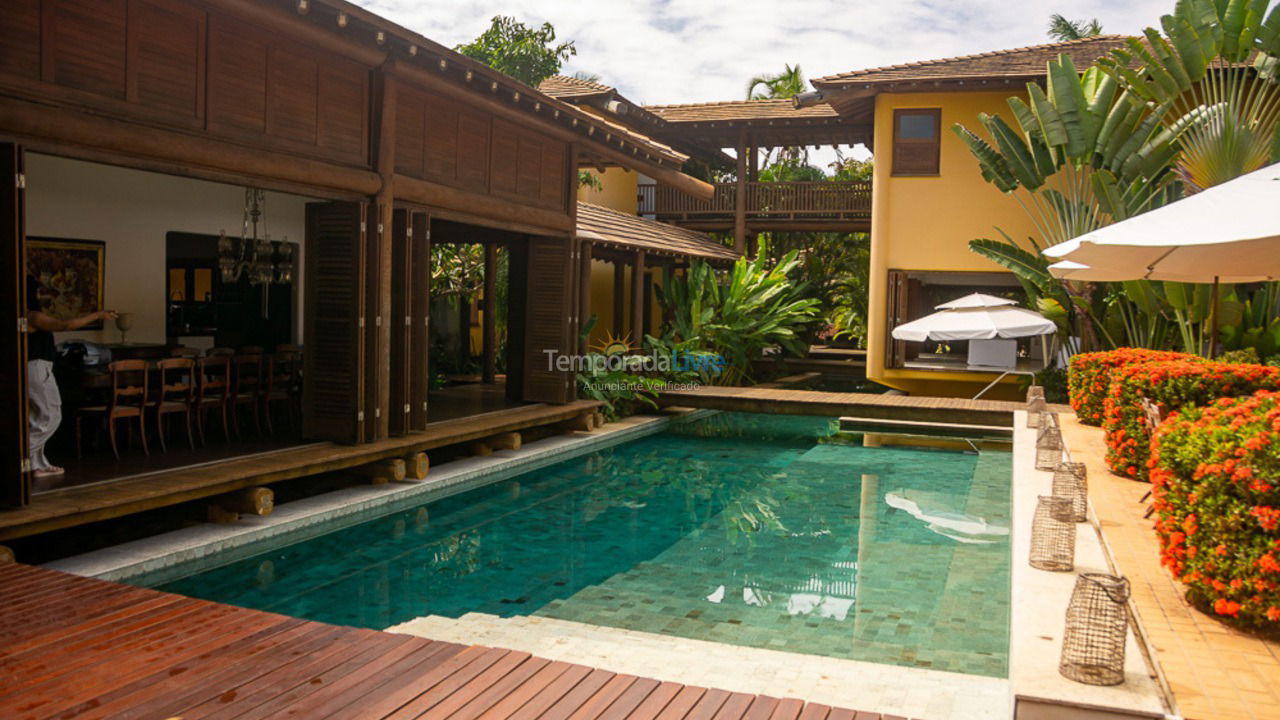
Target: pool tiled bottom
872	611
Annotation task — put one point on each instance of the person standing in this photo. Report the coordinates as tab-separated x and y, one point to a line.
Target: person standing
44	402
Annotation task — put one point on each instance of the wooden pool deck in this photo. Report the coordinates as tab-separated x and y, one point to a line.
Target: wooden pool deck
75	647
836	404
116	498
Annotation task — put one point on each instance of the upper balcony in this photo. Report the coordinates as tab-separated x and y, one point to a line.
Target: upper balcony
770	206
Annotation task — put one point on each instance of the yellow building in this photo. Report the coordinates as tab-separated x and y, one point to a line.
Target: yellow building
929	198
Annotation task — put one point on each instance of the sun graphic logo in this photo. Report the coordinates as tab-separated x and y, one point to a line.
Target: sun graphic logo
612	345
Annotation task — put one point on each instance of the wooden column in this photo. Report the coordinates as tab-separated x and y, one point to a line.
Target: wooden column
619	298
379	276
490	312
740	196
753	161
584	290
637	300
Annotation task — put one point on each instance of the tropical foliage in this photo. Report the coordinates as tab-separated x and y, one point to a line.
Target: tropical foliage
1062	29
1217	499
739	314
1171	385
527	54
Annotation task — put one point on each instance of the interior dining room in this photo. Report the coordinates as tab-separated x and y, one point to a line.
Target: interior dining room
202	360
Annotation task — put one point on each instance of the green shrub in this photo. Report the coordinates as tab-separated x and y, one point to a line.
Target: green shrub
1247	356
1216	484
1089	378
1171	385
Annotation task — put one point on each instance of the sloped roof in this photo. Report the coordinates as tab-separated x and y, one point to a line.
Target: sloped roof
739	110
565	87
632	232
1014	62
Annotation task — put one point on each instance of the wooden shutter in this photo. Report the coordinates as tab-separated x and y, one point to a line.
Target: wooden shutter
377	344
420	310
895	351
402	290
334	332
15	479
916	141
548	319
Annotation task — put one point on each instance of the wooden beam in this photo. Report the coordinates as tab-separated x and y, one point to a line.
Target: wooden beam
435	195
380	347
22	119
584	290
416	466
637	300
490	328
619	299
740	196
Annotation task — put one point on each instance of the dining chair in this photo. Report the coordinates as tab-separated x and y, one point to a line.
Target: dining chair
281	386
213	391
127	399
246	389
176	395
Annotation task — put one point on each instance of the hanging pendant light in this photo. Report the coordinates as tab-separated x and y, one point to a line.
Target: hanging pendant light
258	257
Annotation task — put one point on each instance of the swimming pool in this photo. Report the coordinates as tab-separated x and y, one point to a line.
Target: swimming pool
757	530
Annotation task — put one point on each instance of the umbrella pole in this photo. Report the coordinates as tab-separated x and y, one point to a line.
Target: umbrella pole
1213	320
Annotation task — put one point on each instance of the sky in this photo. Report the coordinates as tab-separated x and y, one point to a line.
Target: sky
681	51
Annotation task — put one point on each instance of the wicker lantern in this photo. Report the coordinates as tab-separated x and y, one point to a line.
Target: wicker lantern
1071	480
1097	623
1048	445
1035	405
1053	541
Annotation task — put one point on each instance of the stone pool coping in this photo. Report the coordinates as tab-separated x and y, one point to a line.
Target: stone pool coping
1039	601
174	554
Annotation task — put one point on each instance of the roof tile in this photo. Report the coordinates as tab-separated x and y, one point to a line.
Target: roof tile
632	232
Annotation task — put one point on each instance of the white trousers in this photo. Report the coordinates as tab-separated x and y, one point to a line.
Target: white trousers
44	410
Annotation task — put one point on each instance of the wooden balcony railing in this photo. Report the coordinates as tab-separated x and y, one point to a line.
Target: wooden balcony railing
765	200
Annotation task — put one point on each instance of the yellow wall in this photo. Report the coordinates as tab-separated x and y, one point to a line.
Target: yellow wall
619	190
926	223
602	304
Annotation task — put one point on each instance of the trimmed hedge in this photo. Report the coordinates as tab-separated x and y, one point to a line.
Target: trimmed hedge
1171	385
1089	378
1216	485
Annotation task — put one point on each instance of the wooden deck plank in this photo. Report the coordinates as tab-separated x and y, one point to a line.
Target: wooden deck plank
132	654
80	505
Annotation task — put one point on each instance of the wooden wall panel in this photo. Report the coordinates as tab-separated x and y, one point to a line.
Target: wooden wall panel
410	109
83	45
529	169
504	163
166	57
20	38
552	190
343	104
473	150
237	78
439	142
292	89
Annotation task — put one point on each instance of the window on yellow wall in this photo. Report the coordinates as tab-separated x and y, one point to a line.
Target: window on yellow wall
916	139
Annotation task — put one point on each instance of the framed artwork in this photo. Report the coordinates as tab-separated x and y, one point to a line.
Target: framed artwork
71	274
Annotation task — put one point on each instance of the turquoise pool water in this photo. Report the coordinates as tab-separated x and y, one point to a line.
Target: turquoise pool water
755	530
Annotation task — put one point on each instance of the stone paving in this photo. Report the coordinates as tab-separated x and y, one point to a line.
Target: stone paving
1214	671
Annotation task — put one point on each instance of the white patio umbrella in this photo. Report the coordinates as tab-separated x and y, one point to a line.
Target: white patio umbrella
976	317
1229	233
1226	233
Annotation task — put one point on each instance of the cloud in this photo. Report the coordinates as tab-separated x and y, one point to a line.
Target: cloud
671	51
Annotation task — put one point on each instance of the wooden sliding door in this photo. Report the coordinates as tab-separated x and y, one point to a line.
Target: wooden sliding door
15	485
410	304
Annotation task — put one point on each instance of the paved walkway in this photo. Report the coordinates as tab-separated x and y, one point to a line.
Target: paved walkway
784	401
75	647
1215	672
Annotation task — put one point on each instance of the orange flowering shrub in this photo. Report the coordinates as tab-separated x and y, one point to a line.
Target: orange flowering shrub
1216	483
1171	385
1089	377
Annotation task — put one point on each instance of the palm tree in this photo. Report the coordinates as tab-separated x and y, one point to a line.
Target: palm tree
786	84
586	76
1062	29
778	86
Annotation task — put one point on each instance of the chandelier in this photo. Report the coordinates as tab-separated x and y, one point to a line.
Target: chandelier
263	260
